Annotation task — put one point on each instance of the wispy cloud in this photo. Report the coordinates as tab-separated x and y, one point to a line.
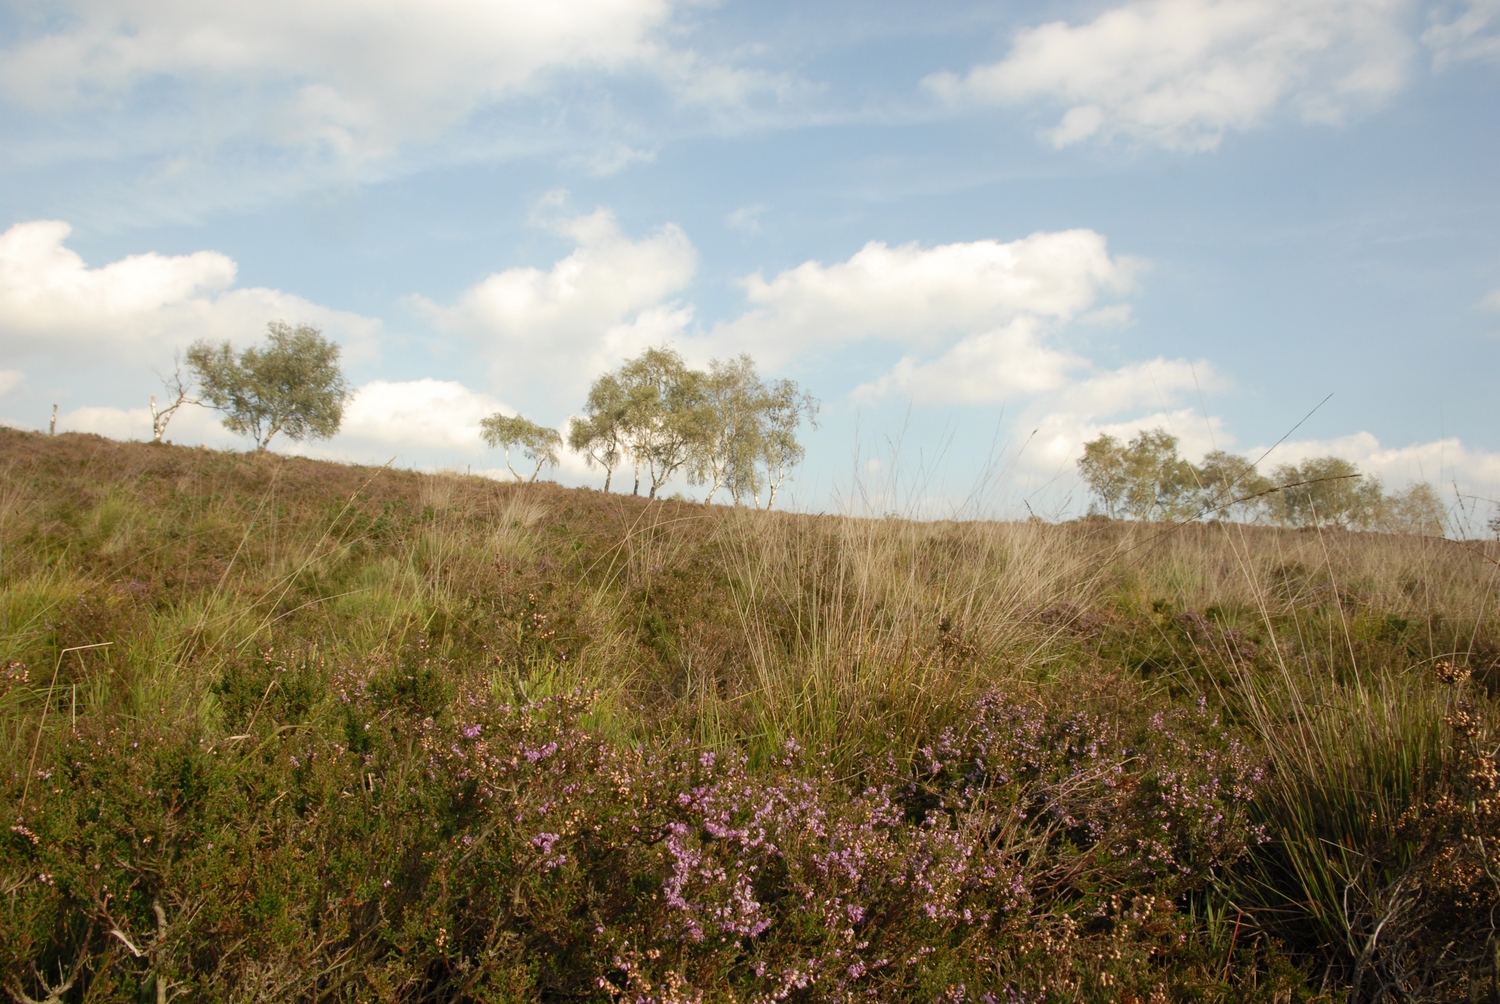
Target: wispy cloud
341	76
1465	31
1182	73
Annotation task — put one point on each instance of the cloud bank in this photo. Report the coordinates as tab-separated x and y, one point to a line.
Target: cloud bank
53	304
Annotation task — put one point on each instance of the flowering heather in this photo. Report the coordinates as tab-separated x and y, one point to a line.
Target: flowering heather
501	845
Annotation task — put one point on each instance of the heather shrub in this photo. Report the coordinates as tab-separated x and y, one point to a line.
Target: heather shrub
370	842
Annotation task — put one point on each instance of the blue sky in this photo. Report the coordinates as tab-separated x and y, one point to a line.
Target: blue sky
979	233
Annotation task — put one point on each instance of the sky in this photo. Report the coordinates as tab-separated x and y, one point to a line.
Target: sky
980	234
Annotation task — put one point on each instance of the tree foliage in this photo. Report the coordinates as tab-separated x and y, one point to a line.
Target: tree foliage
292	385
1231	487
1142	479
1146	479
725	428
726	456
600	434
539	444
784	408
1326	491
664	413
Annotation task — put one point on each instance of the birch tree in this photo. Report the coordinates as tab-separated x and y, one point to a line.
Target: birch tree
1103	469
1143	479
1230	487
785	407
664	414
537	443
727	453
600	434
1327	491
293	385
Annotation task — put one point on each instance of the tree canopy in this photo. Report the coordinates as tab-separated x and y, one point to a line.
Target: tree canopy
600	434
539	444
1146	479
725	428
292	385
665	413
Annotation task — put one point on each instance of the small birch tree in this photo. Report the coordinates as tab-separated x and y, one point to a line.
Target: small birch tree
1231	487
727	453
1103	468
1328	491
537	443
784	408
600	434
1143	479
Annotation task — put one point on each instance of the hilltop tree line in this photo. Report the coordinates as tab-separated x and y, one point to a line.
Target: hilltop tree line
1145	479
726	428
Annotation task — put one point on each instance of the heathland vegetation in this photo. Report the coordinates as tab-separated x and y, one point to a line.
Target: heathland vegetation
277	729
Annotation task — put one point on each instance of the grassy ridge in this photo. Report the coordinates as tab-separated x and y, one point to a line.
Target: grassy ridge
350	732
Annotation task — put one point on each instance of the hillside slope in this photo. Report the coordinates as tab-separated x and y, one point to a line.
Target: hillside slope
284	729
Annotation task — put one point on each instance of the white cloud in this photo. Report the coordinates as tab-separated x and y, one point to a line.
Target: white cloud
10	380
1152	394
554	330
923	297
53	303
1060	435
1182	73
1492	301
1154	384
992	366
983	323
418	415
1472	32
189	425
1440	461
432	425
344	75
